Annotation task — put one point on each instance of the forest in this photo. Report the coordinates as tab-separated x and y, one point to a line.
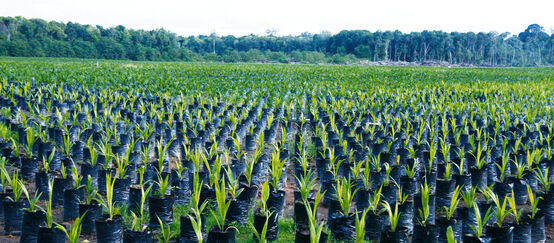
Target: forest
41	38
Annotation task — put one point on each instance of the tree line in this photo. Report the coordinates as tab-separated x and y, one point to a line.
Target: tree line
39	38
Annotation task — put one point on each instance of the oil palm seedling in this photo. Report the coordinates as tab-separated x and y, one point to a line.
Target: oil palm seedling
479	227
41	178
341	222
276	170
425	205
90	206
499	231
449	220
109	225
196	218
479	172
123	180
221	230
160	203
33	217
522	230
394	233
264	220
29	163
161	149
519	182
450	235
72	234
433	147
503	187
360	226
538	232
138	228
15	202
315	228
166	233
49	232
467	212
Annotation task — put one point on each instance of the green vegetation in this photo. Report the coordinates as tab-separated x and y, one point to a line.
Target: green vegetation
40	38
257	132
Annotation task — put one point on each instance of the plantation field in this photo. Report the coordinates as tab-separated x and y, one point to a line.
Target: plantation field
168	152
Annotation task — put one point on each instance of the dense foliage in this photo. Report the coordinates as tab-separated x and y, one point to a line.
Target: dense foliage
40	38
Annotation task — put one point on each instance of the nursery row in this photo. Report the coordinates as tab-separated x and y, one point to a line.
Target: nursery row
116	152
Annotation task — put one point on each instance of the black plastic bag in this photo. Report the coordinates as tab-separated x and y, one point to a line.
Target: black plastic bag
207	194
135	194
362	199
217	236
538	233
444	192
31	223
463	181
60	185
342	227
93	211
121	190
13	215
50	235
428	233
272	232
238	212
301	214
72	197
418	206
375	225
398	236
180	188
130	236
249	192
187	233
303	236
409	185
479	177
29	167
109	231
546	206
500	235
389	193
92	171
522	232
502	189
406	211
467	215
102	178
41	183
276	201
160	208
3	198
443	225
520	191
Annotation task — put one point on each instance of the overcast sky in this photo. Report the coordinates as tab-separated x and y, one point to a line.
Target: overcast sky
292	16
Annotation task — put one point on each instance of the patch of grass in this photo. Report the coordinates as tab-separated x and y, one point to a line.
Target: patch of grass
245	232
287	230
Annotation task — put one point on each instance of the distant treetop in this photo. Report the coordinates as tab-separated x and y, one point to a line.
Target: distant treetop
39	38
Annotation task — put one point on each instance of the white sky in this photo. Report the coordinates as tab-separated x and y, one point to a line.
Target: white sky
243	17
